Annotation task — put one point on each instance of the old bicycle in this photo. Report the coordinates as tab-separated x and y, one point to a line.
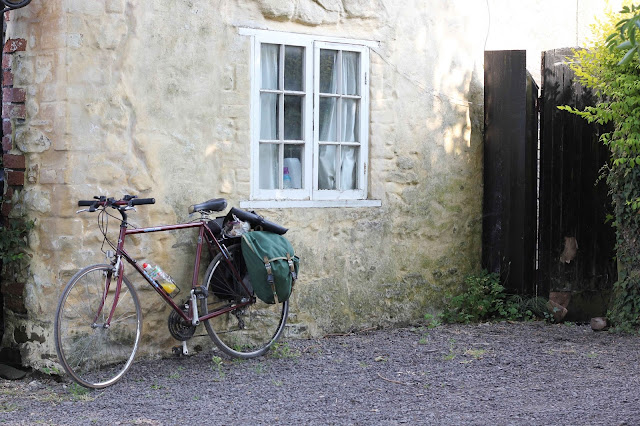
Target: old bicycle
98	322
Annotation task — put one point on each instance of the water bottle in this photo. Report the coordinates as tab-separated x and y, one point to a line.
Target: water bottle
286	178
161	277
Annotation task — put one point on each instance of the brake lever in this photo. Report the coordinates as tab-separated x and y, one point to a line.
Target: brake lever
83	210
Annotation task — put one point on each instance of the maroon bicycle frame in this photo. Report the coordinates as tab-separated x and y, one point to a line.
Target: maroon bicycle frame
122	253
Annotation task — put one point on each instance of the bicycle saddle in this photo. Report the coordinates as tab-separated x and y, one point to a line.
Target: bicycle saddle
216	205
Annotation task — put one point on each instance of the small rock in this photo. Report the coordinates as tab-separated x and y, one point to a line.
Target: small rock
598	323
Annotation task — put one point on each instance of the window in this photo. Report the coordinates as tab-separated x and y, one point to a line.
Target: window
310	104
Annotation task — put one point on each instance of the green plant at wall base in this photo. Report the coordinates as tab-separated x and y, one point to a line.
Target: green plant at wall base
483	299
616	81
13	240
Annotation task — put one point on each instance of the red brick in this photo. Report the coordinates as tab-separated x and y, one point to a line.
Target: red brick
6	144
13	289
10	94
8	194
7	78
15	45
6	209
15	304
7	60
10	161
14	111
13	177
6	127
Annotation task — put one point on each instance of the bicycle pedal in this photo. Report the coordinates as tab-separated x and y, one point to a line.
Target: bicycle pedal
200	292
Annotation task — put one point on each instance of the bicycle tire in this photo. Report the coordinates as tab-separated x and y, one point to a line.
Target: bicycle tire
93	355
263	323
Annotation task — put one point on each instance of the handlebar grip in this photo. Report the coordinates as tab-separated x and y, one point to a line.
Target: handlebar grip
83	203
138	201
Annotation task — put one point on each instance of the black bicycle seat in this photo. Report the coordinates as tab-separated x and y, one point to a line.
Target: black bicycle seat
215	205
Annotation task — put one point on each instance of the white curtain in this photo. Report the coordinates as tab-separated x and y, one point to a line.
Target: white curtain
348	131
269	117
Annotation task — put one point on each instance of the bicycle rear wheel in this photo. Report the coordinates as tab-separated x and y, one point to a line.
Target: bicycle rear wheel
245	332
93	354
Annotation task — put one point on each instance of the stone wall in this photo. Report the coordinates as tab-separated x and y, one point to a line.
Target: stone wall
153	98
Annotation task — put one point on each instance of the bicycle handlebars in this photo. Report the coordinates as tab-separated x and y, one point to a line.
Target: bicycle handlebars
128	200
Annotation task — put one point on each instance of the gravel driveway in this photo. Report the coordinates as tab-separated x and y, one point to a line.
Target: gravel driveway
503	374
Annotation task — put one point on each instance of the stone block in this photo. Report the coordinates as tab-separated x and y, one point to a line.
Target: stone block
115	6
51	176
31	139
10	161
562	298
557	311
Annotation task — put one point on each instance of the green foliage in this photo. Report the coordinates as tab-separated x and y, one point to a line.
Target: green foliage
606	68
485	299
13	240
624	38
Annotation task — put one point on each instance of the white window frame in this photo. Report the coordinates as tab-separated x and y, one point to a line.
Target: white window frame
309	195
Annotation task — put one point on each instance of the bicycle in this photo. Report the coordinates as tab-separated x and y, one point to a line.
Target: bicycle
98	321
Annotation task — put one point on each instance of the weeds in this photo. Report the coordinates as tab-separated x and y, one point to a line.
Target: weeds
485	299
216	366
79	393
8	407
282	350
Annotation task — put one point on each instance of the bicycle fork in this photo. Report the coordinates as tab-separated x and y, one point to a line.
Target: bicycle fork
107	284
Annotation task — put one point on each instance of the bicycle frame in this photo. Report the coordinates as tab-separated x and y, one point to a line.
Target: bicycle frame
192	314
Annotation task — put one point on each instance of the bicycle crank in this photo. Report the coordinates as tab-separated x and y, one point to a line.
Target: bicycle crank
179	328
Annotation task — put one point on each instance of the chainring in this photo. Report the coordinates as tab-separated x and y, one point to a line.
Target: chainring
179	328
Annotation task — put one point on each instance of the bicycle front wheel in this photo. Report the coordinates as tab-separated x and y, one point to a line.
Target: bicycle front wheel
94	353
245	332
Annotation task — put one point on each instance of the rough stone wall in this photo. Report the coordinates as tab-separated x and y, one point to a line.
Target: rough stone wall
153	98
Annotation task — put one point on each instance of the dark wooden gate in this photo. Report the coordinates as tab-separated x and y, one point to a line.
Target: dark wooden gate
510	149
576	247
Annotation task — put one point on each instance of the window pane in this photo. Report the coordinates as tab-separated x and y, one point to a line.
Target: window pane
328	119
350	126
268	116
269	167
293	118
293	155
350	73
327	167
328	71
269	66
293	68
348	167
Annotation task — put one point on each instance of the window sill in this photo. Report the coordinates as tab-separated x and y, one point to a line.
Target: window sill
288	204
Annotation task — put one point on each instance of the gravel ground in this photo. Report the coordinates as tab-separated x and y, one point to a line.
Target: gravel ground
503	374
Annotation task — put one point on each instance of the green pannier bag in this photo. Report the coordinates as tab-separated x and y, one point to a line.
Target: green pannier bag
271	263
